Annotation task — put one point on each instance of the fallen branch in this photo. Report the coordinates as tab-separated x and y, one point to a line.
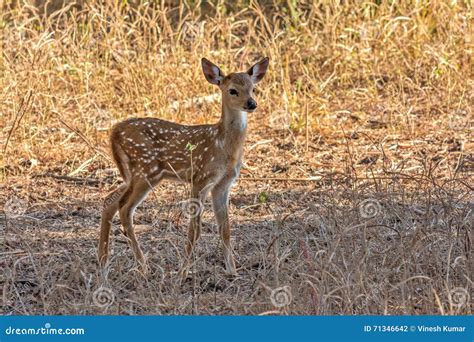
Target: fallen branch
88	181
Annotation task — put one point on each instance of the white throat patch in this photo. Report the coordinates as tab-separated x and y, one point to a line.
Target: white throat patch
241	122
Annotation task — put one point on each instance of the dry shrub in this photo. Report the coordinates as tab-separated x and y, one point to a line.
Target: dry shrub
366	103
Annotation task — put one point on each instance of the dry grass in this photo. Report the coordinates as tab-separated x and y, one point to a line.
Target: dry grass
366	106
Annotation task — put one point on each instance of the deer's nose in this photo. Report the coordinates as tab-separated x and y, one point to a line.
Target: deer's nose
251	104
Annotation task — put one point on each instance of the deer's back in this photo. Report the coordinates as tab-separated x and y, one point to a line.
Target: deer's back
154	145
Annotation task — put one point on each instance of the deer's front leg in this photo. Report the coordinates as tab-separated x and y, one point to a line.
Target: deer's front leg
220	202
193	209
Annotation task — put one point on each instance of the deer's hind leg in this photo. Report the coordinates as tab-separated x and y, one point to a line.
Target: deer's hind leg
111	206
129	201
111	202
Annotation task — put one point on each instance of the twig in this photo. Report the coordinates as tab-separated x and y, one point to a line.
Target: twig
88	181
262	142
282	179
306	124
82	136
22	109
395	175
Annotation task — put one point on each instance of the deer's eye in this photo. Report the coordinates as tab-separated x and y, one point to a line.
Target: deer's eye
233	92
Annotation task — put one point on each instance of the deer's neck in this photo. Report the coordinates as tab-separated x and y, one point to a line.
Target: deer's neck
233	128
234	121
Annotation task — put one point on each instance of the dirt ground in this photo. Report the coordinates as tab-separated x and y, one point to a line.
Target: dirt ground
308	240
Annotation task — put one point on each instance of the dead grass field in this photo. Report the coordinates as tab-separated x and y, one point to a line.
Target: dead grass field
356	195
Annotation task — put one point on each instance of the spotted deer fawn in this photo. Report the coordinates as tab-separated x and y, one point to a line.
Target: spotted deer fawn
148	150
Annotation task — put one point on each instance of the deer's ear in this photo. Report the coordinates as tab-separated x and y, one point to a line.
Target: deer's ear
212	72
257	71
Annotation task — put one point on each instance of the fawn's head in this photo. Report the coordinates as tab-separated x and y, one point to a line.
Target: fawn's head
237	88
